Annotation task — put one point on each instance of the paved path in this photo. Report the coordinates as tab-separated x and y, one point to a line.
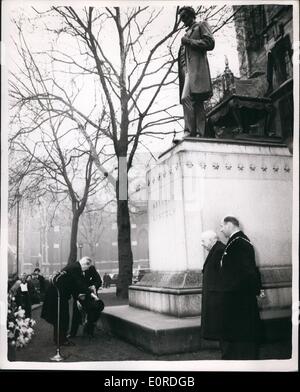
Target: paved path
109	348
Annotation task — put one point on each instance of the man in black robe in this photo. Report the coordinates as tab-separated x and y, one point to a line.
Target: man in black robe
211	296
239	284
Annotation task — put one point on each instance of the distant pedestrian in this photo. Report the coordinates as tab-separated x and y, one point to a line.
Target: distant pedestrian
42	282
106	283
240	284
24	293
35	296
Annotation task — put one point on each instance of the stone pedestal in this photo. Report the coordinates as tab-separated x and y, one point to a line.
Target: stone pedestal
191	188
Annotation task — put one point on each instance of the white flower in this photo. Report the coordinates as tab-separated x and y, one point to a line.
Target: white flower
20	313
21	339
18	325
19	322
10	335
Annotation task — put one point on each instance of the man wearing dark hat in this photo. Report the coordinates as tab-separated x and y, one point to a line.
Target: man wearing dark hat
194	75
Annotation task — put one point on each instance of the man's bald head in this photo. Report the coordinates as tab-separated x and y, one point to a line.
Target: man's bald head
208	239
85	263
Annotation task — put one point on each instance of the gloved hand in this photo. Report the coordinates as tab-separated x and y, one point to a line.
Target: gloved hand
92	289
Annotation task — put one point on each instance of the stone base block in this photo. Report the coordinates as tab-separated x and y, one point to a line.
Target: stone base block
178	303
162	334
174	293
154	332
179	293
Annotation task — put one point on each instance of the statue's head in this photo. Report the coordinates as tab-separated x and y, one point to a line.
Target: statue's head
187	15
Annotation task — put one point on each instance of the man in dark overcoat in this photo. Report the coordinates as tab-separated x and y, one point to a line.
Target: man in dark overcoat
195	85
211	296
93	281
240	284
70	282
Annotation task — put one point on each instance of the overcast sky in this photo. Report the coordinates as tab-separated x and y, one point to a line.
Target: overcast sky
225	42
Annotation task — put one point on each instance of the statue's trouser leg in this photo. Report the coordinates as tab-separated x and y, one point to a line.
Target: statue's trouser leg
200	115
188	108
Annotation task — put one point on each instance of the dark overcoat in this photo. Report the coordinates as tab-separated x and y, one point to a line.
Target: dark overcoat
24	299
240	284
50	307
69	282
92	278
211	296
201	40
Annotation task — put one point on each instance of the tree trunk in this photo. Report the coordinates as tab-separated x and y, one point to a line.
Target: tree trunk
73	242
124	248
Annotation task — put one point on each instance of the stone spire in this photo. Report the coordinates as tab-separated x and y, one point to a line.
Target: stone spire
228	83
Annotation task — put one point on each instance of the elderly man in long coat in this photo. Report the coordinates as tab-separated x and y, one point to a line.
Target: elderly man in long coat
194	76
69	282
240	284
211	295
93	282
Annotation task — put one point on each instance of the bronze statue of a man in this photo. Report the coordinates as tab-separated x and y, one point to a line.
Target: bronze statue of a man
194	75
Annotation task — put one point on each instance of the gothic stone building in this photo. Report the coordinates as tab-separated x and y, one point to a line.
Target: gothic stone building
265	47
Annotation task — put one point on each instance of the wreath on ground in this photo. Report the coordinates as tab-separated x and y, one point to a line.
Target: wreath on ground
19	329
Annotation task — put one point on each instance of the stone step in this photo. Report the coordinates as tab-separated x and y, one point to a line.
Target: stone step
164	334
154	332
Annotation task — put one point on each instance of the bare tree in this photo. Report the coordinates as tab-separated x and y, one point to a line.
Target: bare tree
49	161
133	70
92	226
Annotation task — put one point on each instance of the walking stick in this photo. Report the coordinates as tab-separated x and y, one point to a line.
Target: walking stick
58	357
